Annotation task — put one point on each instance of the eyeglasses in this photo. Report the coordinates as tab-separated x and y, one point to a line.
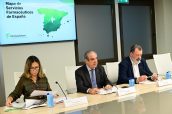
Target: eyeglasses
34	68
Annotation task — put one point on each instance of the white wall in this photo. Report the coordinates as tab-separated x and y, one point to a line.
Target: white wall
53	56
163	19
2	88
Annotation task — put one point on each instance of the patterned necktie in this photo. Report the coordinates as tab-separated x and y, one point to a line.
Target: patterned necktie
93	79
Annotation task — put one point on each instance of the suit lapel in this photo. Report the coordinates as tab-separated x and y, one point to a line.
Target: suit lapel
131	66
97	74
142	69
87	75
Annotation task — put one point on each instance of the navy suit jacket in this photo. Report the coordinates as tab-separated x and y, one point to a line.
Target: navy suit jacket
126	70
83	81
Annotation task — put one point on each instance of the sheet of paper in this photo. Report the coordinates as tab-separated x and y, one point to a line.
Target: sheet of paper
18	105
31	102
34	106
39	92
125	91
104	91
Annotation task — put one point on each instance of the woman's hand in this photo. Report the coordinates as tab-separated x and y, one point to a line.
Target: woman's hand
9	101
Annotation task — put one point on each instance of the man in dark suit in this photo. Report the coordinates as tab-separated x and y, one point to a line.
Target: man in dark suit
91	76
135	67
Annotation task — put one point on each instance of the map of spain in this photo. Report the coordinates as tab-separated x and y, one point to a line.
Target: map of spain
52	18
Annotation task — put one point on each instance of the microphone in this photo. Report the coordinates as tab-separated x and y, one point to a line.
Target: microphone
61	89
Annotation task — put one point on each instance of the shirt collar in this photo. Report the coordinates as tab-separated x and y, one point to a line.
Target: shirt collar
88	68
133	63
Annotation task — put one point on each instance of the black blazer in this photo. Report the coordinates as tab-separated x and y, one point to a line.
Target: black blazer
126	70
83	81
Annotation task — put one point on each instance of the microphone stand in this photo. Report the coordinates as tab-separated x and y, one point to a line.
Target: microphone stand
61	89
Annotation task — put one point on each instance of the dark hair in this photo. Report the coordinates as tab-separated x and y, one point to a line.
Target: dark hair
133	47
86	54
28	65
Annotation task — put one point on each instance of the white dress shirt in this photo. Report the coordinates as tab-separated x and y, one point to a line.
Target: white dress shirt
135	68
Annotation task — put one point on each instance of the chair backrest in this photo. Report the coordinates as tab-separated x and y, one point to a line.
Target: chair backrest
112	71
70	78
17	76
104	66
163	63
151	64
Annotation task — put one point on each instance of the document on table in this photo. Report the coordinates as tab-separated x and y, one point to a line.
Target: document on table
18	105
107	91
28	104
32	103
125	91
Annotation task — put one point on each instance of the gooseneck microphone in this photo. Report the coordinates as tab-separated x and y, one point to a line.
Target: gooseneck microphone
61	89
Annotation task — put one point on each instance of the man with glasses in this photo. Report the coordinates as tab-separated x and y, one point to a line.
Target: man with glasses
135	67
91	76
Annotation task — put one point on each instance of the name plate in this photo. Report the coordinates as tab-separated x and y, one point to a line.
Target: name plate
164	82
125	91
164	88
75	101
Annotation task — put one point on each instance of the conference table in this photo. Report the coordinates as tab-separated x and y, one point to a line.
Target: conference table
148	99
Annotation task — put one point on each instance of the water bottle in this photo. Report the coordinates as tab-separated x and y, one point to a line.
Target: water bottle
50	100
168	75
